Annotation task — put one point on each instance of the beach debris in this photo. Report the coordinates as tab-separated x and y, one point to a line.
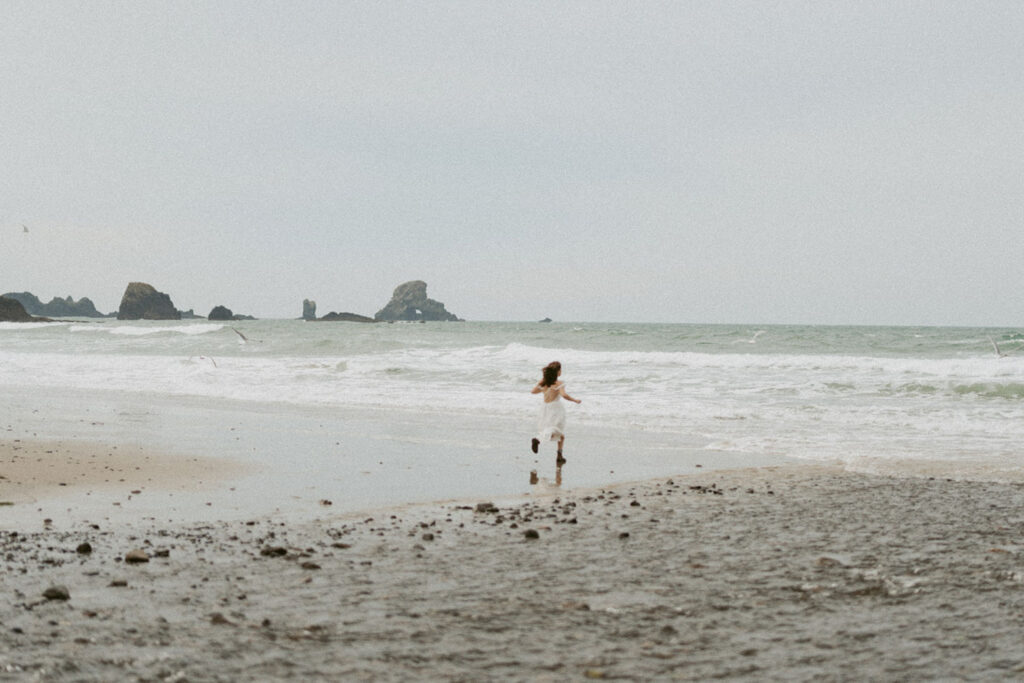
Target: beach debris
118	583
713	489
325	502
274	551
576	606
829	561
57	593
220	620
428	537
531	534
137	556
486	507
310	565
84	548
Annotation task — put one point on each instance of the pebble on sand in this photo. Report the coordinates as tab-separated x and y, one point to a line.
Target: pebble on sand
57	593
136	556
220	620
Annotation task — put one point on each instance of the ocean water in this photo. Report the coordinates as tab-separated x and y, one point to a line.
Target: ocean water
656	397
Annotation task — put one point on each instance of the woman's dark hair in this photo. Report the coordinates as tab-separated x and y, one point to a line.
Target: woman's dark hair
550	374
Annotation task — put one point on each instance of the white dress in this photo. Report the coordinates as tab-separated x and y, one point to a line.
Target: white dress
551	425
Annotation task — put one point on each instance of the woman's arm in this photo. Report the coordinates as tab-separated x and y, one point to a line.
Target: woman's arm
567	397
536	388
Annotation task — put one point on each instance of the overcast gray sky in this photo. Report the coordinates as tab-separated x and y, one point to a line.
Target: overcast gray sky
747	162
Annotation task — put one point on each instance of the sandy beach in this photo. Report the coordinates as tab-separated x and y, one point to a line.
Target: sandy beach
787	573
31	469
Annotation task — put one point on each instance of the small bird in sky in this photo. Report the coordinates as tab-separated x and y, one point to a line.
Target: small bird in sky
24	229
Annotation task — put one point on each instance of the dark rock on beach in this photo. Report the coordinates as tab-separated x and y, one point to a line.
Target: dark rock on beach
136	557
142	302
57	593
410	303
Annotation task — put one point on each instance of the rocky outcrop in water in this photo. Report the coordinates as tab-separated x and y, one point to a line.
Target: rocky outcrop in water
308	309
309	315
57	307
410	302
221	313
345	318
142	302
225	313
11	311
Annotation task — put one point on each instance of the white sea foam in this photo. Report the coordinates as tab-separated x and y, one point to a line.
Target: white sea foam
9	326
137	331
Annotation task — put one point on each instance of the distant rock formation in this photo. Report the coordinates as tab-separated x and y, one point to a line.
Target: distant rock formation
545	320
83	308
410	302
308	309
142	302
345	317
221	313
224	313
11	311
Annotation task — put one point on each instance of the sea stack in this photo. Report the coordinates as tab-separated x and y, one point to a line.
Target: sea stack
308	309
142	302
11	311
221	313
409	302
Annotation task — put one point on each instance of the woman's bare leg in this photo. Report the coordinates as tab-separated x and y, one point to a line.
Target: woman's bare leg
559	460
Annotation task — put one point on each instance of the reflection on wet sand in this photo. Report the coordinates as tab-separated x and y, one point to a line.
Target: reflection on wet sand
540	484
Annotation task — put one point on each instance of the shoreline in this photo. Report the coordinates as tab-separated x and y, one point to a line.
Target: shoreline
797	571
68	480
297	457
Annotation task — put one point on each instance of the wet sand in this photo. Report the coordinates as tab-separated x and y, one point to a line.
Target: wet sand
790	573
32	469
